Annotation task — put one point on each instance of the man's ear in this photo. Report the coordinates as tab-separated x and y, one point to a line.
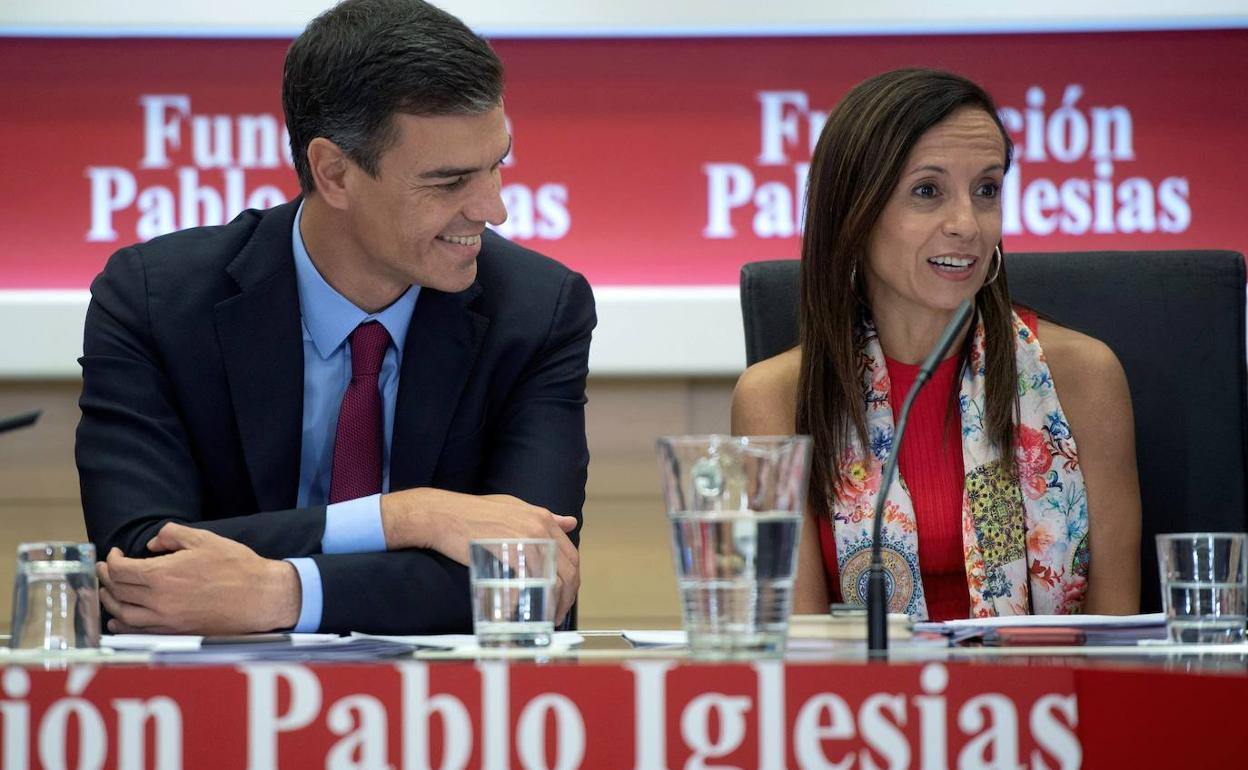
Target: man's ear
330	167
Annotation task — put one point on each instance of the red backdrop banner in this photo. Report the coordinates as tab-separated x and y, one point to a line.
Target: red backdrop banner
636	161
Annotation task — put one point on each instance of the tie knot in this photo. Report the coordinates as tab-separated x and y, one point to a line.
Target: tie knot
368	348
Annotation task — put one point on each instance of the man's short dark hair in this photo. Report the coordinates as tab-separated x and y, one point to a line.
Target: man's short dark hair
363	61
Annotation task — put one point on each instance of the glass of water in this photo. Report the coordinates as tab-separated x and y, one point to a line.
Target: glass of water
56	597
513	591
1204	586
735	508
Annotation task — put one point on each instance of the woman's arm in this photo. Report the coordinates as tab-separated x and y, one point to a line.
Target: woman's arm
1093	390
764	403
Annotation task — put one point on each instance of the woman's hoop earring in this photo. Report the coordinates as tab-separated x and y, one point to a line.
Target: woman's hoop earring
996	250
853	284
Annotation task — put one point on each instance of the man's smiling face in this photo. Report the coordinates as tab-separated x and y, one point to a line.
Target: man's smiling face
420	219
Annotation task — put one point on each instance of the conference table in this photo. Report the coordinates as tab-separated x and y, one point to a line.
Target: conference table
605	704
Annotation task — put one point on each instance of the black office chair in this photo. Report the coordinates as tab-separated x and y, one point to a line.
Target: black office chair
1176	321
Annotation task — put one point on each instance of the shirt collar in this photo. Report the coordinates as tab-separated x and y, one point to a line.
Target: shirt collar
330	317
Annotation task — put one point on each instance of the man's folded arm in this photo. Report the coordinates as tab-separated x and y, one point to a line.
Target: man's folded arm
401	592
136	467
539	452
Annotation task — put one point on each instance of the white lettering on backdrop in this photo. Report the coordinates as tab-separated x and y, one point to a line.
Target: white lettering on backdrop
193	171
1072	204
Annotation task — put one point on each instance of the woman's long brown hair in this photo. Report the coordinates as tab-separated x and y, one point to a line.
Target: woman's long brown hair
854	170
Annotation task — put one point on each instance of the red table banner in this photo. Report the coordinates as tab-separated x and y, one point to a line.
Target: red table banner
649	714
636	161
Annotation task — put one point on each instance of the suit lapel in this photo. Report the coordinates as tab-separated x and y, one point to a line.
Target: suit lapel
441	347
262	346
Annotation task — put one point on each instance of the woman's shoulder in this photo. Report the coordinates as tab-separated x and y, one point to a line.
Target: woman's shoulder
1075	351
765	399
1085	370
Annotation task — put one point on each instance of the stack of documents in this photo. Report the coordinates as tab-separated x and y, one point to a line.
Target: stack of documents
842	626
307	647
806	632
1052	629
645	638
257	647
467	643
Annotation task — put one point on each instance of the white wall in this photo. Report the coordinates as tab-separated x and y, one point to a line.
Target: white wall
622	17
642	331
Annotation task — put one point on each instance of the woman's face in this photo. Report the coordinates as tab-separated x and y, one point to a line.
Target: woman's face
932	246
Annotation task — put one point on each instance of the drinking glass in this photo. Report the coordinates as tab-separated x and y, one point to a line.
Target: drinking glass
1204	586
735	508
513	591
56	602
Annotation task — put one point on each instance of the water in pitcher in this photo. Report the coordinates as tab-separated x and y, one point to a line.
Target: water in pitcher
735	571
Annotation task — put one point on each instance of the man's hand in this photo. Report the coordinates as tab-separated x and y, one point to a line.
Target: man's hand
446	521
204	584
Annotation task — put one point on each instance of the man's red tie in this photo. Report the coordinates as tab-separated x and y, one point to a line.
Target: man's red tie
357	445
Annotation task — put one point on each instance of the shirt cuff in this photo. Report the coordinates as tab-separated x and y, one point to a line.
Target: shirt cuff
354	526
313	595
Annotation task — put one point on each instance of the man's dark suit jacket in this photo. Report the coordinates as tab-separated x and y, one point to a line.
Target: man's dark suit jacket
192	406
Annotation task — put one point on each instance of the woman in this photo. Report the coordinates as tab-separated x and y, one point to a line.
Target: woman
903	222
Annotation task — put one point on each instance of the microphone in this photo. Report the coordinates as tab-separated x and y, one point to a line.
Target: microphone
877	609
19	421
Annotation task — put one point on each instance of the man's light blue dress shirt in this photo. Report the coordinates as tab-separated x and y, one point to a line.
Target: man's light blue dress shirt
352	526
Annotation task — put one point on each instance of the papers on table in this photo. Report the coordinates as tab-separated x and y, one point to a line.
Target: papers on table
805	632
661	639
1064	621
656	638
1093	629
171	643
814	632
150	642
304	647
257	647
342	649
843	627
561	640
87	655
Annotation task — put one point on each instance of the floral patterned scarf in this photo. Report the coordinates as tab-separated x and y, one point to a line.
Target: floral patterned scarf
1024	538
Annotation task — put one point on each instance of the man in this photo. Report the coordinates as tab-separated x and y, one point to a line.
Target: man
371	346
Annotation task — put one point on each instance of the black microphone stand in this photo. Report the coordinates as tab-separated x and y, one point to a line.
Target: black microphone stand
877	609
19	420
